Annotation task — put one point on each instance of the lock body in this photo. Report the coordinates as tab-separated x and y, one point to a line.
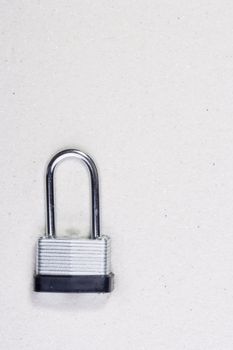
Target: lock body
67	264
73	265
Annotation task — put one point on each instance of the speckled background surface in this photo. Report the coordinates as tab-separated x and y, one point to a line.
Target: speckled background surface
145	87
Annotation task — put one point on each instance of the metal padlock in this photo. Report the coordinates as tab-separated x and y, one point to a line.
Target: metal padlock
68	264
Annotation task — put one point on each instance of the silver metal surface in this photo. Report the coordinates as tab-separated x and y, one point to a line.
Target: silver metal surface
50	204
69	256
73	256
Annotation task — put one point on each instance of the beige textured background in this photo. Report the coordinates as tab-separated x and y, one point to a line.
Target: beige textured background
145	87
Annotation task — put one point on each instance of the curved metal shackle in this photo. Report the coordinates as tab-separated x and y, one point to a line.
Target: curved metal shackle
51	228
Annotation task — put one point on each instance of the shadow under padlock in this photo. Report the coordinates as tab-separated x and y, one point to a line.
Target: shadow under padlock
70	264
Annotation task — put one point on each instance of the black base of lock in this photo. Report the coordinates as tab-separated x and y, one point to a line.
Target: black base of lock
74	284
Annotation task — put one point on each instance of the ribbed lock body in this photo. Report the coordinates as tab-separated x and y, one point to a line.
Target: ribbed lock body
73	257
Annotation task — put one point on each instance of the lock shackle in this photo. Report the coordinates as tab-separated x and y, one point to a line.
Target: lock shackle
51	227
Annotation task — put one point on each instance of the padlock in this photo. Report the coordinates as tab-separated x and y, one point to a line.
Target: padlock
73	265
